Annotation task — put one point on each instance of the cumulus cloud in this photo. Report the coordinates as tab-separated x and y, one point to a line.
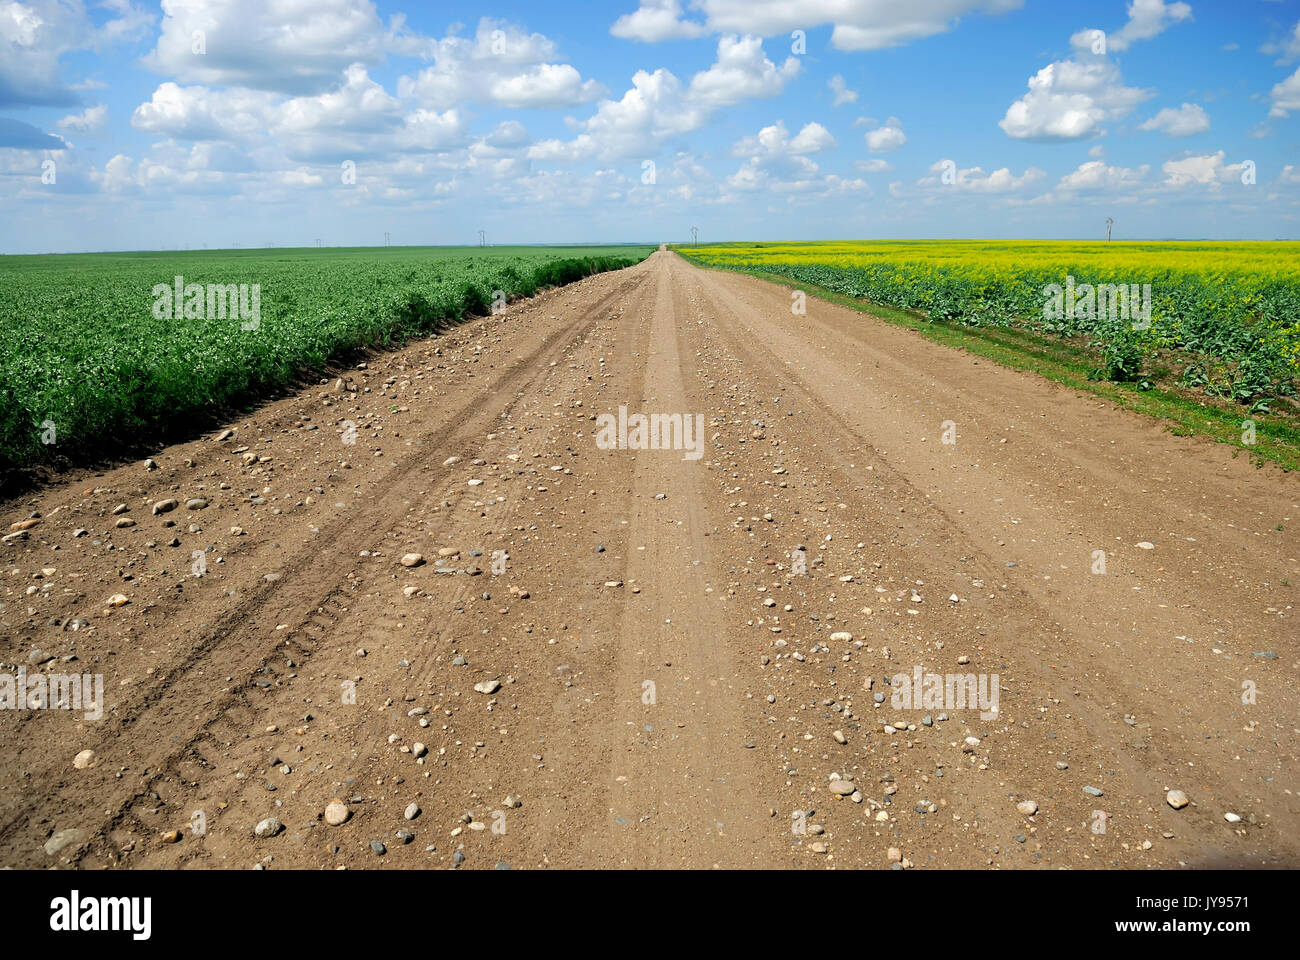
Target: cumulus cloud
1070	99
842	92
1286	96
501	66
1096	175
945	174
92	118
657	20
857	24
267	44
888	138
658	106
36	34
1147	19
1183	121
1205	170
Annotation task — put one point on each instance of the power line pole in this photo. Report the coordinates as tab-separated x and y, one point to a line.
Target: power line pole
1109	224
388	239
482	239
695	235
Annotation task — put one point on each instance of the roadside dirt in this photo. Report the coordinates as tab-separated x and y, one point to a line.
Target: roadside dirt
665	635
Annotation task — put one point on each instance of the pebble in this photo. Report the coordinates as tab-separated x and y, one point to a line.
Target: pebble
1146	545
164	506
488	686
412	811
841	788
62	840
1176	799
1232	818
418	750
1092	791
1027	807
198	503
337	813
839	736
268	827
377	848
412	560
84	759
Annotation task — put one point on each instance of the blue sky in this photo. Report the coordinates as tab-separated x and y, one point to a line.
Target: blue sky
246	122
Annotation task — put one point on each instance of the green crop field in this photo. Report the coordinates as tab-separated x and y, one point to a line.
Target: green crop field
99	348
1224	316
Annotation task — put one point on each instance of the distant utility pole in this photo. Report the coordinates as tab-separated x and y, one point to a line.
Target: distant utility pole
695	235
318	241
1109	223
388	240
482	239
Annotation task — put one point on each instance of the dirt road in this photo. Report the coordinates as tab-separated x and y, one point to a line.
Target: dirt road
628	658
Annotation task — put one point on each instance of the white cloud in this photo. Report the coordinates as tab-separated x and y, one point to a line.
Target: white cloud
742	72
842	92
658	106
888	138
1070	99
36	34
92	118
857	24
1288	49
280	45
502	66
1096	175
1205	170
200	113
944	174
1286	96
657	20
779	163
1183	121
1290	174
1146	19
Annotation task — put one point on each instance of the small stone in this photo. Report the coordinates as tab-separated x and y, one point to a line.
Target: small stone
412	560
488	686
1146	545
377	848
164	506
198	503
412	811
1232	818
84	760
1176	799
337	813
841	788
1027	807
125	522
839	736
118	600
268	827
418	750
1092	791
170	836
62	840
